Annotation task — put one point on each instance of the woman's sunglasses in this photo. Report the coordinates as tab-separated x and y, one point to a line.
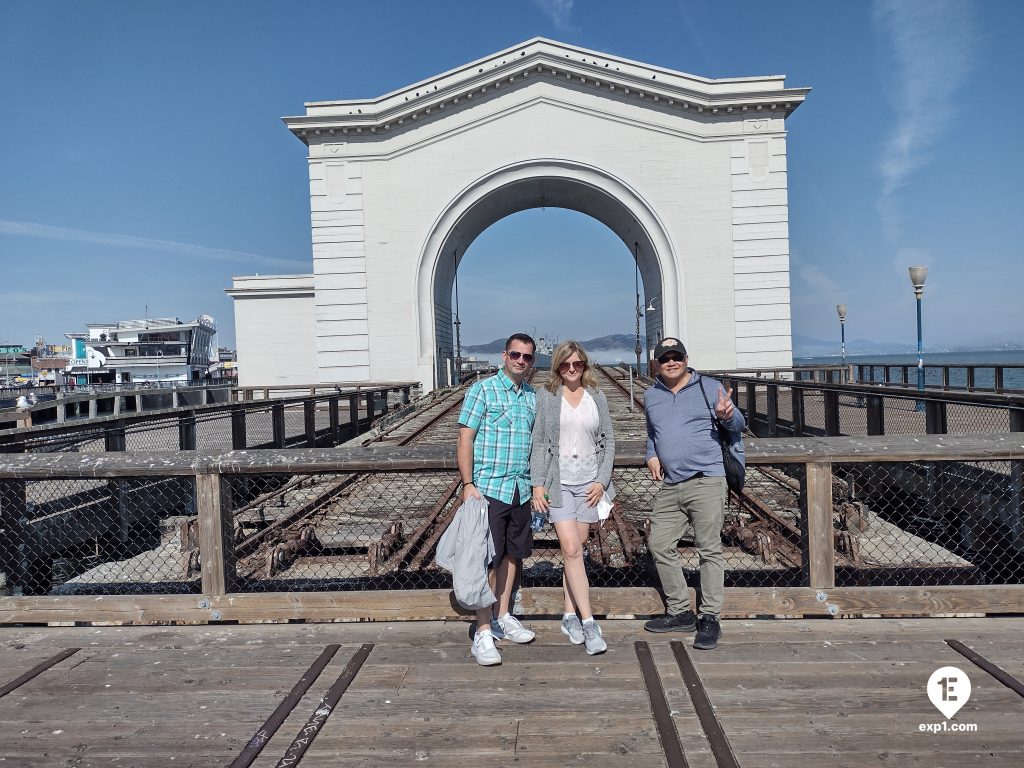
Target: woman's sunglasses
527	357
573	366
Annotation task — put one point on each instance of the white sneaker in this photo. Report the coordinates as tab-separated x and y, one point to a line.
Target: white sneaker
573	629
484	652
511	629
592	637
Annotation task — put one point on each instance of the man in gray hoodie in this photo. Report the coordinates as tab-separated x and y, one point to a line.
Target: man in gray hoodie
684	454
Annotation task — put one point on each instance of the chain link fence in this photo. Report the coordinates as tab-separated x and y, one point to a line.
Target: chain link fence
897	524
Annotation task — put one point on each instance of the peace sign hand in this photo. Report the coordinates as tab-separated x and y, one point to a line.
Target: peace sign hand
724	407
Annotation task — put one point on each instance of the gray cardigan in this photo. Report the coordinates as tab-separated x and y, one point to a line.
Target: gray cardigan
544	470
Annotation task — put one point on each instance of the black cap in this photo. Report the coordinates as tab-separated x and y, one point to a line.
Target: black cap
669	344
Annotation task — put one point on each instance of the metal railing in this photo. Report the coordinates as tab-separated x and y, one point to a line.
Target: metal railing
323	420
793	408
990	378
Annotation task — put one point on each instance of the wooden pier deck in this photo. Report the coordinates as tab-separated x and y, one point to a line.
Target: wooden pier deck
786	693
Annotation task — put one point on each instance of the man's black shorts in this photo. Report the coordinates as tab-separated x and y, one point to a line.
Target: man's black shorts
510	528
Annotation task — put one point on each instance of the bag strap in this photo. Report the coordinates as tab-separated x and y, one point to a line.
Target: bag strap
714	416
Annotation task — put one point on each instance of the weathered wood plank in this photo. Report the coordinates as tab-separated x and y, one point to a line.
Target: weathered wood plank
404	605
216	542
816	509
997	446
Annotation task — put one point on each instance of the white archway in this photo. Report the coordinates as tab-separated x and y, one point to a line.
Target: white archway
548	182
689	170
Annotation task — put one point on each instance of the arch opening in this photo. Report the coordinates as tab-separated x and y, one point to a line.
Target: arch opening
547	185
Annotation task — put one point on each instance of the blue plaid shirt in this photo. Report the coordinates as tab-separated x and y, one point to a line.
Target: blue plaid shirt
502	415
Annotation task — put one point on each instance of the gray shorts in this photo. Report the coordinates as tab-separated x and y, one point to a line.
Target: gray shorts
574	505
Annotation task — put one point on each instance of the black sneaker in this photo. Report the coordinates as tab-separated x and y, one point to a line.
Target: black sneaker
708	632
680	622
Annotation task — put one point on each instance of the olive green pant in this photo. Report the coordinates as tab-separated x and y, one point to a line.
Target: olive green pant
700	501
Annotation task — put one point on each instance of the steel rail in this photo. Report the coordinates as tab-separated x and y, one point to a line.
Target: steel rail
622	387
720	746
667	732
37	670
279	715
324	709
1001	675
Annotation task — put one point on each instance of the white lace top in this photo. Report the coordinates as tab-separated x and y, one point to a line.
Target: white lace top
577	441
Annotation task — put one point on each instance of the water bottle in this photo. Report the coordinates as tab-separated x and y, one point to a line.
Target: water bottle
538	519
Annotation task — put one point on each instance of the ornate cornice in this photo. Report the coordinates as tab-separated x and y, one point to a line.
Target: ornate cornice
555	62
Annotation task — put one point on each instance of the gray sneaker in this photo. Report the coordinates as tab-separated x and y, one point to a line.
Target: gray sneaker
592	637
512	630
573	629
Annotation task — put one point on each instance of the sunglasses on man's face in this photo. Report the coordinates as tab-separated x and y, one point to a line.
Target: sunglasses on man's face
575	365
513	355
670	359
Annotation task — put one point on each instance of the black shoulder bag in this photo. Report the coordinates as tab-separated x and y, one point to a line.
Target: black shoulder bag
734	455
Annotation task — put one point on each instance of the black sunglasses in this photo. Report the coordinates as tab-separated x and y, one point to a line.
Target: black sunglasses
513	355
670	359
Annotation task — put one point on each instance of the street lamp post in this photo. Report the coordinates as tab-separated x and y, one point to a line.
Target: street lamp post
639	314
841	310
917	278
647	331
458	326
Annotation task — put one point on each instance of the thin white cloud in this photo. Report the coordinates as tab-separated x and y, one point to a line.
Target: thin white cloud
67	234
932	47
559	12
819	288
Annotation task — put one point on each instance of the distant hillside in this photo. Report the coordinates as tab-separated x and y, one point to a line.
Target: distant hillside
600	344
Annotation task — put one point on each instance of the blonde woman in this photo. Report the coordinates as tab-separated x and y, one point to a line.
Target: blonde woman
571	457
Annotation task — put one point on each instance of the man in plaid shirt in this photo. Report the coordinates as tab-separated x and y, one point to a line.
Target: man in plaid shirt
494	461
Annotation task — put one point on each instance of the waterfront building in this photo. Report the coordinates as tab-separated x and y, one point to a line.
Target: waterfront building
150	350
689	172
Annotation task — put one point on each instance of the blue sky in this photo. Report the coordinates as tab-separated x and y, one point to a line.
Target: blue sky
143	162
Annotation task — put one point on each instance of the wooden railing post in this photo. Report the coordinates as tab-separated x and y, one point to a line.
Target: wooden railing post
875	414
970	377
831	413
309	417
216	541
332	411
997	378
406	395
935	417
114	437
945	377
187	431
238	438
353	415
773	410
816	519
751	413
277	424
797	396
369	407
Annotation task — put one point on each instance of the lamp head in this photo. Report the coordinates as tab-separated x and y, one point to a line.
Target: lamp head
841	309
917	278
650	304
